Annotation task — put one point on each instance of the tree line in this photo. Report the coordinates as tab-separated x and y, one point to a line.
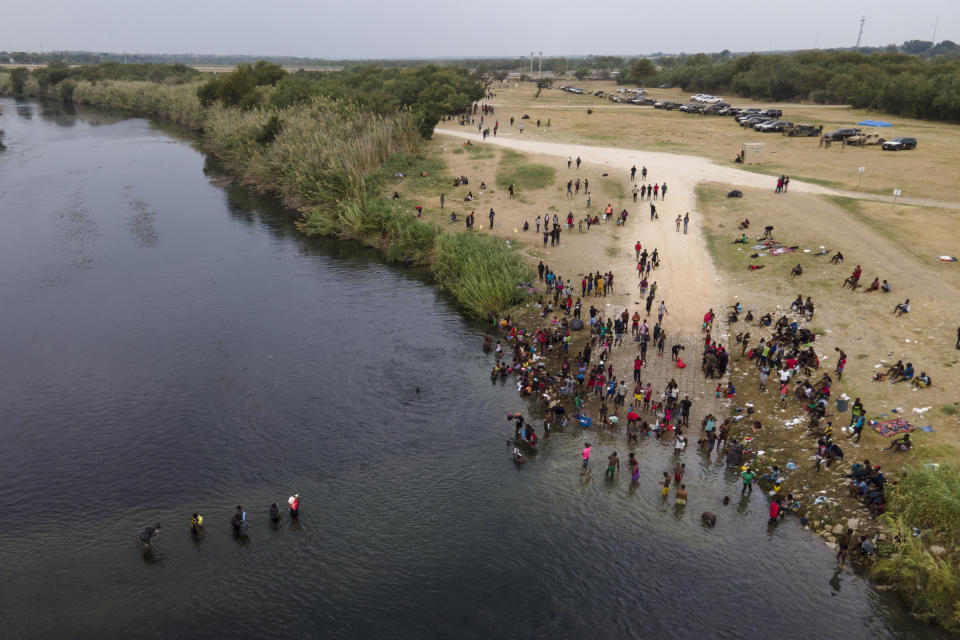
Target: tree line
917	85
426	92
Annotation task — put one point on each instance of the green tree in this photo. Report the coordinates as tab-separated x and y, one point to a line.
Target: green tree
640	72
543	83
18	80
239	88
916	46
581	73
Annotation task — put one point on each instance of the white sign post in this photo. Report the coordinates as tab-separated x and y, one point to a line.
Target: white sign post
860	171
896	194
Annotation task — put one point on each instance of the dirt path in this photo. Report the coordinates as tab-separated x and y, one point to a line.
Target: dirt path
687	280
687	276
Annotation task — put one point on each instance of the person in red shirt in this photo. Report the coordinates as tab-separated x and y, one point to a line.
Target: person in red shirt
637	247
774	510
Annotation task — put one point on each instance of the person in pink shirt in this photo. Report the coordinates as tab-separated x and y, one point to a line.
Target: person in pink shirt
586	457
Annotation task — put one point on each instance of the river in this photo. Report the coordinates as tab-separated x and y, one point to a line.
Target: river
171	345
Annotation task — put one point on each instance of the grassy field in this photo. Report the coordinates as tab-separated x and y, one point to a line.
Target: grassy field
514	168
926	172
860	323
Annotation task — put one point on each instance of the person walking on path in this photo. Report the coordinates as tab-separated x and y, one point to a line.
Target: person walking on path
578	162
443	200
663	191
643	174
636	191
633	174
569	161
686	221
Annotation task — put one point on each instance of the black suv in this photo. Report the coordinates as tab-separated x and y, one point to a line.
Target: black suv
898	144
842	134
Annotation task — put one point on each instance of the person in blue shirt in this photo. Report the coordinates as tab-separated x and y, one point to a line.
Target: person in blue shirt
908	373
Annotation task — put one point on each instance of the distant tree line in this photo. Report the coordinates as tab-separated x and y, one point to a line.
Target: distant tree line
427	92
58	79
916	80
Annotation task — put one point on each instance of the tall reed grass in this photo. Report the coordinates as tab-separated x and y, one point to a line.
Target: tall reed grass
925	501
178	103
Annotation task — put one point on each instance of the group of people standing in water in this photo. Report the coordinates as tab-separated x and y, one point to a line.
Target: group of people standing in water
238	522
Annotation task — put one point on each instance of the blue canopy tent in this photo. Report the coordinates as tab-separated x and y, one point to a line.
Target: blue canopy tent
875	123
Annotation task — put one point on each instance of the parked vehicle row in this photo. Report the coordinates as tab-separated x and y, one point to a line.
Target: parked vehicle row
705	98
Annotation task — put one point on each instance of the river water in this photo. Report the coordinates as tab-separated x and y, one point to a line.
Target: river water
169	345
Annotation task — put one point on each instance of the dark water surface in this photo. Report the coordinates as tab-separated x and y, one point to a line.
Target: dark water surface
169	345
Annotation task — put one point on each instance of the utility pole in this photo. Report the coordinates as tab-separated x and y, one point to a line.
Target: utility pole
863	21
540	66
531	63
934	39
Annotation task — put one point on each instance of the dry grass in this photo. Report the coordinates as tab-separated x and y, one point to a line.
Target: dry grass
926	172
860	323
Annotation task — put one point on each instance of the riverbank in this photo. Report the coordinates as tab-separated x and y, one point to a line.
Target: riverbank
804	217
332	162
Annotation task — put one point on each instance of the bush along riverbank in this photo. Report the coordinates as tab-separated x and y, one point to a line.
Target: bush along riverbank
920	559
327	157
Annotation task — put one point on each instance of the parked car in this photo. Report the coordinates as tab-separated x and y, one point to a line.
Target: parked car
752	121
842	134
750	114
864	139
773	113
804	131
777	126
898	144
665	86
714	109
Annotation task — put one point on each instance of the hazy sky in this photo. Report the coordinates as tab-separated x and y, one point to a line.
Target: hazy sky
429	28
